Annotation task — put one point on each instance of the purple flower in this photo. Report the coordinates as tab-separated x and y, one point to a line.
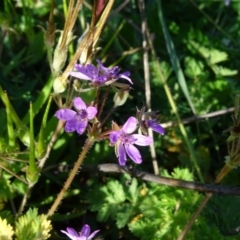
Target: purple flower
124	140
227	2
155	126
99	76
76	120
83	235
145	122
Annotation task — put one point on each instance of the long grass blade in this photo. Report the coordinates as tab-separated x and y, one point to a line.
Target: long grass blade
174	59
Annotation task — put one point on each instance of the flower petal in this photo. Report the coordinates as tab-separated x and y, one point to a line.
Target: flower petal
130	125
114	136
93	234
104	69
71	233
142	140
133	153
81	126
79	75
85	230
79	104
65	114
92	111
122	158
81	72
155	126
71	125
125	76
92	70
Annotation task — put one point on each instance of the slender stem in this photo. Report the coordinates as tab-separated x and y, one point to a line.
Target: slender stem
147	80
24	201
51	143
175	111
224	171
70	178
103	102
12	173
106	118
194	217
237	97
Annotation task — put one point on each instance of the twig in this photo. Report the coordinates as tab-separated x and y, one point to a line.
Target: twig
24	201
147	80
171	182
194	217
198	117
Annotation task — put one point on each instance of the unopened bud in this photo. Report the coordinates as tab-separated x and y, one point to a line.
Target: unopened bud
59	59
61	50
120	97
59	85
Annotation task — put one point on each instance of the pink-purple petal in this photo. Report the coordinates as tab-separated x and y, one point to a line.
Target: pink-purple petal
65	114
130	125
79	104
122	157
92	111
80	75
142	140
155	126
114	136
93	234
85	230
105	69
123	75
70	125
71	233
81	126
133	153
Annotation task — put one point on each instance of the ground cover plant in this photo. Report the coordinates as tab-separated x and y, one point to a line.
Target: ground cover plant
119	119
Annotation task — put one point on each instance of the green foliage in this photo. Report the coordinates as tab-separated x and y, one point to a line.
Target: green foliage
32	226
6	230
197	46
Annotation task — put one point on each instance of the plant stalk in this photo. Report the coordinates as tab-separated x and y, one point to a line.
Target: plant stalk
70	178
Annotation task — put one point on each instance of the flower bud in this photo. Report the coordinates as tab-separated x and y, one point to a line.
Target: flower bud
59	85
120	97
59	59
60	53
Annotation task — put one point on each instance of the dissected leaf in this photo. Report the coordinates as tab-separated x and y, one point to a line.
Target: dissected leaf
32	226
6	230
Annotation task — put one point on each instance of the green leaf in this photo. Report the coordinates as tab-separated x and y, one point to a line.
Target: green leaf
133	190
31	226
194	68
107	211
211	55
222	71
115	192
6	230
124	216
183	174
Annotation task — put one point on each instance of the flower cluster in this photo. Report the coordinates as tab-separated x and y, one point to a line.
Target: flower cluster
83	235
77	120
124	139
99	75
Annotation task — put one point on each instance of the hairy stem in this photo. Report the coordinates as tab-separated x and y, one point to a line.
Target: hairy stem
70	178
